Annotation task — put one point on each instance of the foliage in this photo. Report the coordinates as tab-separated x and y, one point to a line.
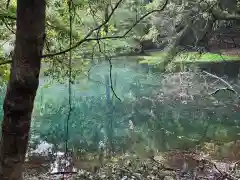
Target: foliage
171	25
148	103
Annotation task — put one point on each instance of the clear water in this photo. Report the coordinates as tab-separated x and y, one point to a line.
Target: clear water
156	104
156	111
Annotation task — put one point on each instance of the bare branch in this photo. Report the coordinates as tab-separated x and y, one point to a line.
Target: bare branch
229	87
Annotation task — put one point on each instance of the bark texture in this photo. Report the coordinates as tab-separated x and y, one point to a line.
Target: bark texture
22	87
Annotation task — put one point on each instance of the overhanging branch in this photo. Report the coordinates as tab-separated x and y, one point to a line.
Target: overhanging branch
87	39
89	33
77	44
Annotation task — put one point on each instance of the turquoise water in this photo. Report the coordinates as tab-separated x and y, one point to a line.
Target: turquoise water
167	111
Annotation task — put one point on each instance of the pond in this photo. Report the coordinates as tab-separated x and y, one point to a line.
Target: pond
157	112
131	83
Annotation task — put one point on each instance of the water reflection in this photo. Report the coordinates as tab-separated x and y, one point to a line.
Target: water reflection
168	112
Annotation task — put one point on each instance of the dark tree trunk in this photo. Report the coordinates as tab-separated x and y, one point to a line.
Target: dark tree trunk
22	87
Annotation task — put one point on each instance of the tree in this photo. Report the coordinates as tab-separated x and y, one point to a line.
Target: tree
22	86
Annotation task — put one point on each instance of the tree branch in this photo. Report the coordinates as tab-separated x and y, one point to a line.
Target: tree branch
3	15
7	26
89	34
87	39
229	87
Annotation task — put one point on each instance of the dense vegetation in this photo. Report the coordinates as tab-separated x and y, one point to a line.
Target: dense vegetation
116	100
138	24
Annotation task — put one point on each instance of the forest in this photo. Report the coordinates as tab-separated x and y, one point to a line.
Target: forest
120	89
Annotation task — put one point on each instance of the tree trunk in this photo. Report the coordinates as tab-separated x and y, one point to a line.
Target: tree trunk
22	87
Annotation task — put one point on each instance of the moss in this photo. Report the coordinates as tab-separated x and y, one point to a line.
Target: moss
156	57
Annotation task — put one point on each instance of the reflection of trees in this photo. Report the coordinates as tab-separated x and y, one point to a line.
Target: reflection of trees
177	112
184	110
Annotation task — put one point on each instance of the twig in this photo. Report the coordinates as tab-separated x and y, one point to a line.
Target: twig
63	172
7	26
223	175
111	83
110	68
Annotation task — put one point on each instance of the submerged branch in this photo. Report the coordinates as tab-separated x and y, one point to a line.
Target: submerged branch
229	87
